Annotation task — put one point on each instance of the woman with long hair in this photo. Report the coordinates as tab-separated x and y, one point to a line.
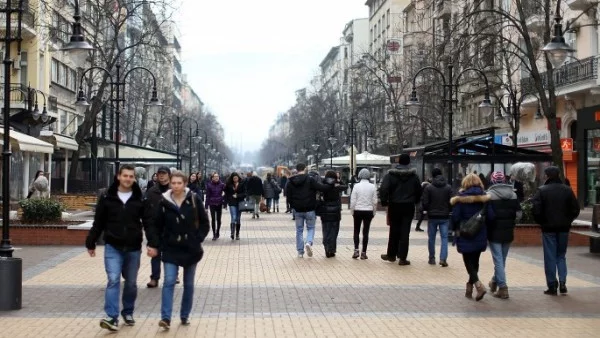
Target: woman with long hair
215	202
331	213
152	181
193	184
471	199
234	194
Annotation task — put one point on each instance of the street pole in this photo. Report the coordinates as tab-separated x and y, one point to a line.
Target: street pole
177	136
190	151
450	112
117	117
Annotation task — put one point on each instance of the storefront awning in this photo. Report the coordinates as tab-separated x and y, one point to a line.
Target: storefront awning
26	143
135	152
61	141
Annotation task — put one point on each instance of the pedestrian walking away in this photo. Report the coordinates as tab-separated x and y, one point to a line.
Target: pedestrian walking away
502	214
301	192
554	208
420	211
330	212
179	230
270	190
214	201
121	214
400	190
234	194
471	200
436	203
363	205
254	189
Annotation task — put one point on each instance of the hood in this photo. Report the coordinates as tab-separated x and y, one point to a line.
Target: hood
439	181
135	188
403	172
502	192
471	195
298	180
168	196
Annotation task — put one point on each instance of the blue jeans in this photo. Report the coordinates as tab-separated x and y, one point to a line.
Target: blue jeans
499	253
235	213
166	308
269	202
155	267
117	263
555	251
310	219
432	228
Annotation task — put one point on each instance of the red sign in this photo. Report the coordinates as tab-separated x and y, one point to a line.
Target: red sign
393	46
566	144
558	123
597	116
596	143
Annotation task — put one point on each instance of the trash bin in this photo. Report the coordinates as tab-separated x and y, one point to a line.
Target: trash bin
11	286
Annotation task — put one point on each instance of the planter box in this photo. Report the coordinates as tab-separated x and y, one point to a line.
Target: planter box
531	235
48	235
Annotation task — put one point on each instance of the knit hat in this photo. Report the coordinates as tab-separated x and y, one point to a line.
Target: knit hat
436	172
497	177
364	174
404	159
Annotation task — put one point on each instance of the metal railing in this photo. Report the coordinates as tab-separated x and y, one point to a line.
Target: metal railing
571	73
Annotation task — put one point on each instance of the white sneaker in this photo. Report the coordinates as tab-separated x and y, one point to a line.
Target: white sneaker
300	255
308	249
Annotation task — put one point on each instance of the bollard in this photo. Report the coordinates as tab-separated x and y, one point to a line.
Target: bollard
11	286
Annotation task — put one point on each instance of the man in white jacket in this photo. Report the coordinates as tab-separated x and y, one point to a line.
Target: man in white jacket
363	204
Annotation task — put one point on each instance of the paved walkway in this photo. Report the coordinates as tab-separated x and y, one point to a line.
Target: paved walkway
257	287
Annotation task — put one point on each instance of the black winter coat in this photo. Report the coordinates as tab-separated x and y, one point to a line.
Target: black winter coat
230	190
331	210
155	194
121	223
400	186
555	206
436	198
301	192
502	213
254	186
178	237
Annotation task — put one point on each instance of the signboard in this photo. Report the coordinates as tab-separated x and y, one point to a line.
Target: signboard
393	45
596	143
528	139
394	79
597	116
566	144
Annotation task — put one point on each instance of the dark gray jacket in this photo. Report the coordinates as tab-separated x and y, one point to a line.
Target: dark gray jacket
436	198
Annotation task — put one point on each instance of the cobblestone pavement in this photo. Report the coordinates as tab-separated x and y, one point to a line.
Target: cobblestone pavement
257	287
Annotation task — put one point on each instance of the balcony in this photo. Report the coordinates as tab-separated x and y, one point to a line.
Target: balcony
570	78
534	16
28	21
580	5
443	8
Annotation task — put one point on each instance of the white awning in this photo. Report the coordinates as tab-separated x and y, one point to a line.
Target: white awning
364	158
23	142
61	141
127	152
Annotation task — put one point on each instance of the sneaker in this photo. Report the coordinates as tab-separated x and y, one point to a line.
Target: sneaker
356	254
404	262
363	255
388	258
431	261
300	255
419	230
308	248
111	324
165	324
128	319
152	283
444	264
185	321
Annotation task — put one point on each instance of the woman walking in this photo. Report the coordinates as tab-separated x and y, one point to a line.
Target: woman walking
363	204
331	213
234	194
501	219
470	200
270	189
194	185
179	230
152	181
32	189
214	201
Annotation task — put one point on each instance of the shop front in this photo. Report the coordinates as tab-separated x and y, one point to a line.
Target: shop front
588	139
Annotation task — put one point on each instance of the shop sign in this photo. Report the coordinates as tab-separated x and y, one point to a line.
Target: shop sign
566	144
528	139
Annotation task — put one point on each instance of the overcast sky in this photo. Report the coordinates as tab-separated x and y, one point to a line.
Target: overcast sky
246	59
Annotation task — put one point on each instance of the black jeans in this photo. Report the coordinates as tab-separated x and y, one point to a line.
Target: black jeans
471	260
331	229
215	214
401	216
362	218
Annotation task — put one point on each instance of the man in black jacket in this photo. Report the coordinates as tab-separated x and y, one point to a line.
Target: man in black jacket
254	190
554	208
301	191
121	214
154	195
400	190
436	202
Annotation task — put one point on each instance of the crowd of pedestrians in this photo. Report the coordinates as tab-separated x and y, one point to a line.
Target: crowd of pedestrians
174	215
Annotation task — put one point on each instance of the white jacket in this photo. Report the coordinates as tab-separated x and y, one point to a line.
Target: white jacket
364	196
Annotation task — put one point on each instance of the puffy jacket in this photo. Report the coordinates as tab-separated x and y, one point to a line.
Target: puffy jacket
121	223
436	198
178	236
331	210
364	196
555	206
239	191
400	186
254	186
269	187
502	213
301	191
465	205
214	194
154	194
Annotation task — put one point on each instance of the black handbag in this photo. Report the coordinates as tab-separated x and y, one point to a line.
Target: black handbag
471	227
246	205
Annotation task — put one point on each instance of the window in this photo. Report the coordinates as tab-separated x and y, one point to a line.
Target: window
388	18
63	75
62	121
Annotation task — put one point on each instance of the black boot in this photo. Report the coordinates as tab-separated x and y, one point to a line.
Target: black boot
237	231
552	289
562	287
218	231
214	232
232	225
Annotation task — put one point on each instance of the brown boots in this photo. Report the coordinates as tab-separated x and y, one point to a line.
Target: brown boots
469	291
502	293
481	291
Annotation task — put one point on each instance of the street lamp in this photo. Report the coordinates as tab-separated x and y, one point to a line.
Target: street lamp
178	132
315	147
485	107
206	146
77	40
118	88
557	50
331	140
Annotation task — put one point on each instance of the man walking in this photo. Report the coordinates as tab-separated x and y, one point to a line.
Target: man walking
254	189
301	192
554	208
121	213
400	190
154	195
436	202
